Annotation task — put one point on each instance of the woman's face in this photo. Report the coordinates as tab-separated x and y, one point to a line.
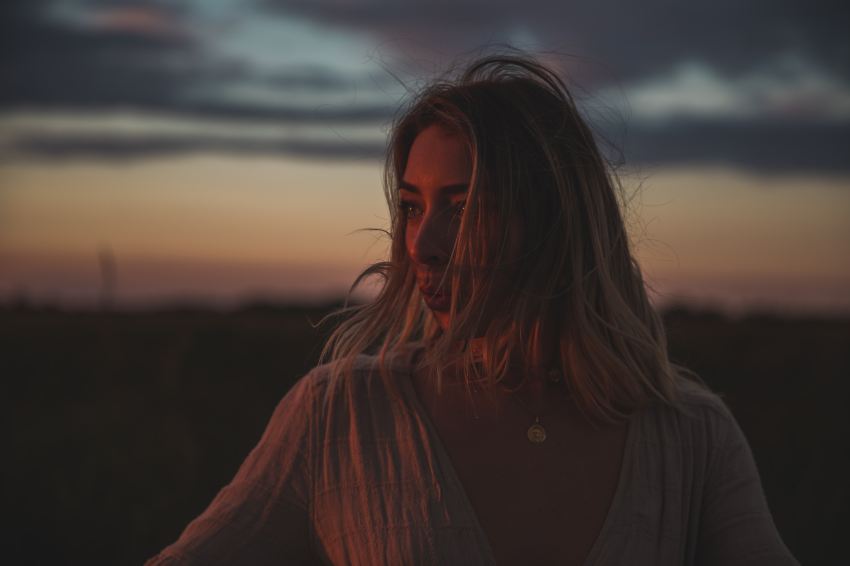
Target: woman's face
432	195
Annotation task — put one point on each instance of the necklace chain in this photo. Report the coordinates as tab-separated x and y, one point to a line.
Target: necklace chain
536	433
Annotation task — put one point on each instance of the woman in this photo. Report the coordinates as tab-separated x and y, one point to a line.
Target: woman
520	407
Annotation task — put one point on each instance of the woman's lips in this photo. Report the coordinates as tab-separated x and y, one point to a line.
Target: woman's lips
436	300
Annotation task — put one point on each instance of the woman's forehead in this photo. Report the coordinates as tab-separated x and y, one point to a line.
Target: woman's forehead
437	158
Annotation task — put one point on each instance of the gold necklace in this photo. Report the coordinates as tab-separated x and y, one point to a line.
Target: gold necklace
536	433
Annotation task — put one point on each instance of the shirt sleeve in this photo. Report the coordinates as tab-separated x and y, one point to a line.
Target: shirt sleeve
736	526
262	516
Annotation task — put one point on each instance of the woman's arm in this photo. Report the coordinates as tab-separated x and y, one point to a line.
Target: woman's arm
736	525
262	516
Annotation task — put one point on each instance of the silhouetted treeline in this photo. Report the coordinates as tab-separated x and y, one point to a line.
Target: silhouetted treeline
121	427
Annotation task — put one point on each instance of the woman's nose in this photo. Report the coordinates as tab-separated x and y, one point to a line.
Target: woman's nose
433	240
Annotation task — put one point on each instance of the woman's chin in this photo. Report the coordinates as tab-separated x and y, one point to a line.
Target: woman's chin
442	316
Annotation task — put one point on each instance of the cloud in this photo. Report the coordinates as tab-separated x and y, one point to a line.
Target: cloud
759	145
626	40
123	148
50	63
147	20
788	88
726	81
763	146
146	58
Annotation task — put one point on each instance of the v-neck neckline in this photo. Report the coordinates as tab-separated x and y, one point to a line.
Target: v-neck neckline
454	479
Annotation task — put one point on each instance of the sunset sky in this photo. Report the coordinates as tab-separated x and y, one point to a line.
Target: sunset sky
219	150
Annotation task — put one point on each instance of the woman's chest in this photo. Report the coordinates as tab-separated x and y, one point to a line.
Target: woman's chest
543	503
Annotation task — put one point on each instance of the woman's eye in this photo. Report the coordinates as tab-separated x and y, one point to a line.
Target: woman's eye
459	208
409	209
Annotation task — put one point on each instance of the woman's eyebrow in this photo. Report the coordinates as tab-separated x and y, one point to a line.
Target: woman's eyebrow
452	189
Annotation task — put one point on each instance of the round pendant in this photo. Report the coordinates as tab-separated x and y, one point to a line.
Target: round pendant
536	433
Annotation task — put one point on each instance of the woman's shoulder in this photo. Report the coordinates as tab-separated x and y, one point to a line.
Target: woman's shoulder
362	395
697	417
698	397
365	366
365	375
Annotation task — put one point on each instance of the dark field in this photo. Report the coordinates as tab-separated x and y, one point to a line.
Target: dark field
120	428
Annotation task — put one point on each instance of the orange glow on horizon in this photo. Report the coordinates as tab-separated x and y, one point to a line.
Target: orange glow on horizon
224	227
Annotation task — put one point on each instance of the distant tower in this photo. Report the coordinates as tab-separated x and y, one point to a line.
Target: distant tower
108	277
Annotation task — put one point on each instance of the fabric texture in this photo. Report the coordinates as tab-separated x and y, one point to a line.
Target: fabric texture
360	477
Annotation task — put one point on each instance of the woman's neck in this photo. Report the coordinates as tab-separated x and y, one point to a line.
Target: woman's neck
545	359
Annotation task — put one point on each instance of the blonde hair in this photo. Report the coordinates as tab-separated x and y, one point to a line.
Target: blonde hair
535	163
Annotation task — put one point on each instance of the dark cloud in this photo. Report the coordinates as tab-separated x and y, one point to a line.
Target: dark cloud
46	65
760	146
323	80
763	146
45	62
239	113
614	39
157	65
117	148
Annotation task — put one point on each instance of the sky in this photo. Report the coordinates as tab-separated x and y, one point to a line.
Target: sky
221	150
